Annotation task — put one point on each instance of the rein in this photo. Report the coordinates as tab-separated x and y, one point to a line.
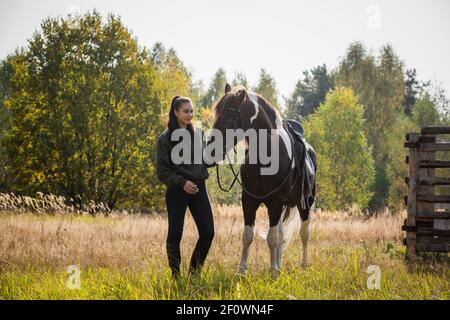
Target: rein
236	118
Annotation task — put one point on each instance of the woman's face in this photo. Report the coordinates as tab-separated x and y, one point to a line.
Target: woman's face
184	114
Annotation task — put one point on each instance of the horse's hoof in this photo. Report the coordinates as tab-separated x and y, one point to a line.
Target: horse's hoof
275	273
305	263
242	270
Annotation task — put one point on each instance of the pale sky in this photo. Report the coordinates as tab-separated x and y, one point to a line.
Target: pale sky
284	37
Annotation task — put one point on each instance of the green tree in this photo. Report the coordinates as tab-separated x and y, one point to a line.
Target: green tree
425	112
85	110
397	169
240	80
6	67
440	99
379	85
309	92
267	88
174	77
215	90
346	168
413	88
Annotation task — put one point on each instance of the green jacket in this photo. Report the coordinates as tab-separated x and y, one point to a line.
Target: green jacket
176	175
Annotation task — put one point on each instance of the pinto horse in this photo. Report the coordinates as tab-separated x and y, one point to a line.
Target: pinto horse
242	109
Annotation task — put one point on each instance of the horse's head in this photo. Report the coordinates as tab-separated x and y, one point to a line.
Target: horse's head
242	109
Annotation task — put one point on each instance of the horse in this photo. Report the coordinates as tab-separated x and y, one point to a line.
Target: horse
240	108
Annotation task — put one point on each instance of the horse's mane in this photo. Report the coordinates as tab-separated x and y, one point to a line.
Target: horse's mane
268	109
222	102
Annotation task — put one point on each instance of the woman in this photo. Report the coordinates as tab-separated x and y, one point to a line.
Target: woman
185	188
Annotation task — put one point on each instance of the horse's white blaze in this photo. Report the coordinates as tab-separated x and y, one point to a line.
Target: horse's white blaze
247	238
254	99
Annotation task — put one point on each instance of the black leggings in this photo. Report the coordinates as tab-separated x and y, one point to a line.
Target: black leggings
177	200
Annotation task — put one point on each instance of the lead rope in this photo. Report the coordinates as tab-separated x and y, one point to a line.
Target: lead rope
240	183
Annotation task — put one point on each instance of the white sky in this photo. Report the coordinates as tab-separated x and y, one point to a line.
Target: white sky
284	37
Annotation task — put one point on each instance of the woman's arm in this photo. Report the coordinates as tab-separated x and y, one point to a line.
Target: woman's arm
164	170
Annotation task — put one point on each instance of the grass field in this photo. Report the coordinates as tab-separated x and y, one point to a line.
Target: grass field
123	257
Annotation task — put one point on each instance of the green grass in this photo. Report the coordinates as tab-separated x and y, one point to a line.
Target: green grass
334	273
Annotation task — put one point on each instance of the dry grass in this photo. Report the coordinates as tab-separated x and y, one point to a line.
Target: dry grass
127	240
123	256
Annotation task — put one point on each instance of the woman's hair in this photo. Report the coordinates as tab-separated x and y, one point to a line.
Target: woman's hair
177	101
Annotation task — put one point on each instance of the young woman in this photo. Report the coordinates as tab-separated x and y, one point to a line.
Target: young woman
185	188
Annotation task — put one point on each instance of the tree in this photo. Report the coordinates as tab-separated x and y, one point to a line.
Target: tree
215	91
174	77
267	88
240	80
379	85
413	88
85	108
336	131
425	112
440	99
309	92
396	169
6	69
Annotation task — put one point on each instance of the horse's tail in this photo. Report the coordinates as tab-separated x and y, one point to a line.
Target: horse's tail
291	224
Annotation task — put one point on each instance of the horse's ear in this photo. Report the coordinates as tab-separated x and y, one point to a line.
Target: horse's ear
227	88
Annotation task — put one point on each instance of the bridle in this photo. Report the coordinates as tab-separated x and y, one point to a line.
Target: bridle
237	123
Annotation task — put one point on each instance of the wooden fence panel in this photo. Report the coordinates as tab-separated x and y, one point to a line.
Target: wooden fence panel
427	228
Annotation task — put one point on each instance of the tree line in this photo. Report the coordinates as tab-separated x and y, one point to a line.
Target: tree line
82	105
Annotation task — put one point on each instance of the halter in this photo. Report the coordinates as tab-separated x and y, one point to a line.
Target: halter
236	116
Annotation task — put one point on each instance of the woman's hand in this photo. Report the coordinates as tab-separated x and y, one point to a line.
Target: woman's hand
190	187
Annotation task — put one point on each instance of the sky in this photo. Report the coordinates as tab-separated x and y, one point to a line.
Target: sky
283	37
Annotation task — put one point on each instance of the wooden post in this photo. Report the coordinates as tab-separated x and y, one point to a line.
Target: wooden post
424	189
414	161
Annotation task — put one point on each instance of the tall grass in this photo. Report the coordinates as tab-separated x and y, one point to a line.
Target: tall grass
122	256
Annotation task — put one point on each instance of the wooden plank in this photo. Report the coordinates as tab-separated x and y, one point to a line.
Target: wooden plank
432	232
413	174
427	139
431	239
433	214
441	224
426	172
435	130
433	247
424	223
411	144
431	198
435	164
434	181
438	146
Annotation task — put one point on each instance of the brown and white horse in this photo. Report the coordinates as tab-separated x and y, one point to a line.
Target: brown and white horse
240	108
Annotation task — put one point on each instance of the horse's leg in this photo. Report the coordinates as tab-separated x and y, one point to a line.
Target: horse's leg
273	236
249	206
279	250
304	233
